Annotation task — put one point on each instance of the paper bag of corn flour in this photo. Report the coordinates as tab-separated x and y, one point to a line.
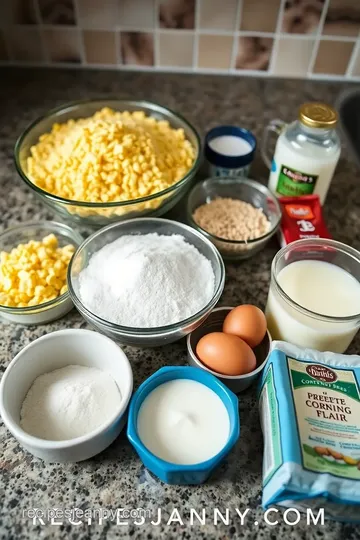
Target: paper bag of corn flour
310	418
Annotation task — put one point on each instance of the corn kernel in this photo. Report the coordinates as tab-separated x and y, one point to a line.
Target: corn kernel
4	257
63	289
58	265
51	279
42	253
7	284
50	240
25	282
39	290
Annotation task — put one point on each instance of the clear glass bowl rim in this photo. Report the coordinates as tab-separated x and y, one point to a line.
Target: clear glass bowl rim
76	104
155	331
248	182
58	227
320	242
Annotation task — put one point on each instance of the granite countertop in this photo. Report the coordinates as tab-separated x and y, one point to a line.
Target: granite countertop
116	478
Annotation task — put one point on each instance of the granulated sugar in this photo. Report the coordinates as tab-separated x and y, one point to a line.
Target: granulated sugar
147	281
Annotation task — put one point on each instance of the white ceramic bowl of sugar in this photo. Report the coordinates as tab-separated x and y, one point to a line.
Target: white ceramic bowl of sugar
54	351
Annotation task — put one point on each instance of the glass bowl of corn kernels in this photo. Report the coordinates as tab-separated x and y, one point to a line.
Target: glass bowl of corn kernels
100	161
34	259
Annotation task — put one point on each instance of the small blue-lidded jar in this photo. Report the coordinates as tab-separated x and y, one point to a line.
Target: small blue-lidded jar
173	473
229	151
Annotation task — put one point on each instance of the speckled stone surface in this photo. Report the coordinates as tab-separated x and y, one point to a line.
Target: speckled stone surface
116	478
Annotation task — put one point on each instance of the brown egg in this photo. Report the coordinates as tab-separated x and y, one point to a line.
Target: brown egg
226	354
247	322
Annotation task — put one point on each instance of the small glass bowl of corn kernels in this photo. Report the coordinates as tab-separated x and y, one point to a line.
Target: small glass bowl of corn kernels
34	258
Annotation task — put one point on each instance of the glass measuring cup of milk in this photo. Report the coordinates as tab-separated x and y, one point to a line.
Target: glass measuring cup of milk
314	295
306	152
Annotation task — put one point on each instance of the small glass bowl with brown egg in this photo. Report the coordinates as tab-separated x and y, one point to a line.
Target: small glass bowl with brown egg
227	351
239	216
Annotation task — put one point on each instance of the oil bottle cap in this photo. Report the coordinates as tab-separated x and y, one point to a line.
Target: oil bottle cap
318	115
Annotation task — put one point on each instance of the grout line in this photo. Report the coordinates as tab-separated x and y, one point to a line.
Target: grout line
49	26
239	72
196	36
276	43
117	39
42	37
37	13
245	33
147	29
135	28
352	60
304	37
235	46
317	38
185	31
180	31
216	32
327	37
80	34
156	36
129	28
198	8
9	51
118	54
178	70
135	68
329	77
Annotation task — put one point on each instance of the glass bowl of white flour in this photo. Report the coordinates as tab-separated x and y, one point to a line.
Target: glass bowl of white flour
146	282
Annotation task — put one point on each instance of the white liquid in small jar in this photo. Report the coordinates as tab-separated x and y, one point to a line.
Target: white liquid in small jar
322	288
230	145
183	422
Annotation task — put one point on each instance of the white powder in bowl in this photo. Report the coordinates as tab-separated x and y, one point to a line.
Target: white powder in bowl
69	402
147	281
230	145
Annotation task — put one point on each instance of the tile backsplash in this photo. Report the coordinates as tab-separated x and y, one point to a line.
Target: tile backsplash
285	38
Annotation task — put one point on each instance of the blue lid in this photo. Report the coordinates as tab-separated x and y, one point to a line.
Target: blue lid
229	162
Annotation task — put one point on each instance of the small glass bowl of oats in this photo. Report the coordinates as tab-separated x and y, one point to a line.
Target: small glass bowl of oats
238	216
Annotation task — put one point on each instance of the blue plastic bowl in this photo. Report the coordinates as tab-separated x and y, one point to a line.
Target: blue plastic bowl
172	473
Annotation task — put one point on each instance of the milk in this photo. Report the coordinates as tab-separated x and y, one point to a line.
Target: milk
183	422
302	170
322	288
230	145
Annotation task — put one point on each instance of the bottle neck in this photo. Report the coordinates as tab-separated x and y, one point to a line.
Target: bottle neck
316	132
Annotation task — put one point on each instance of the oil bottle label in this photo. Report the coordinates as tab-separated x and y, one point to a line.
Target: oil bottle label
292	182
